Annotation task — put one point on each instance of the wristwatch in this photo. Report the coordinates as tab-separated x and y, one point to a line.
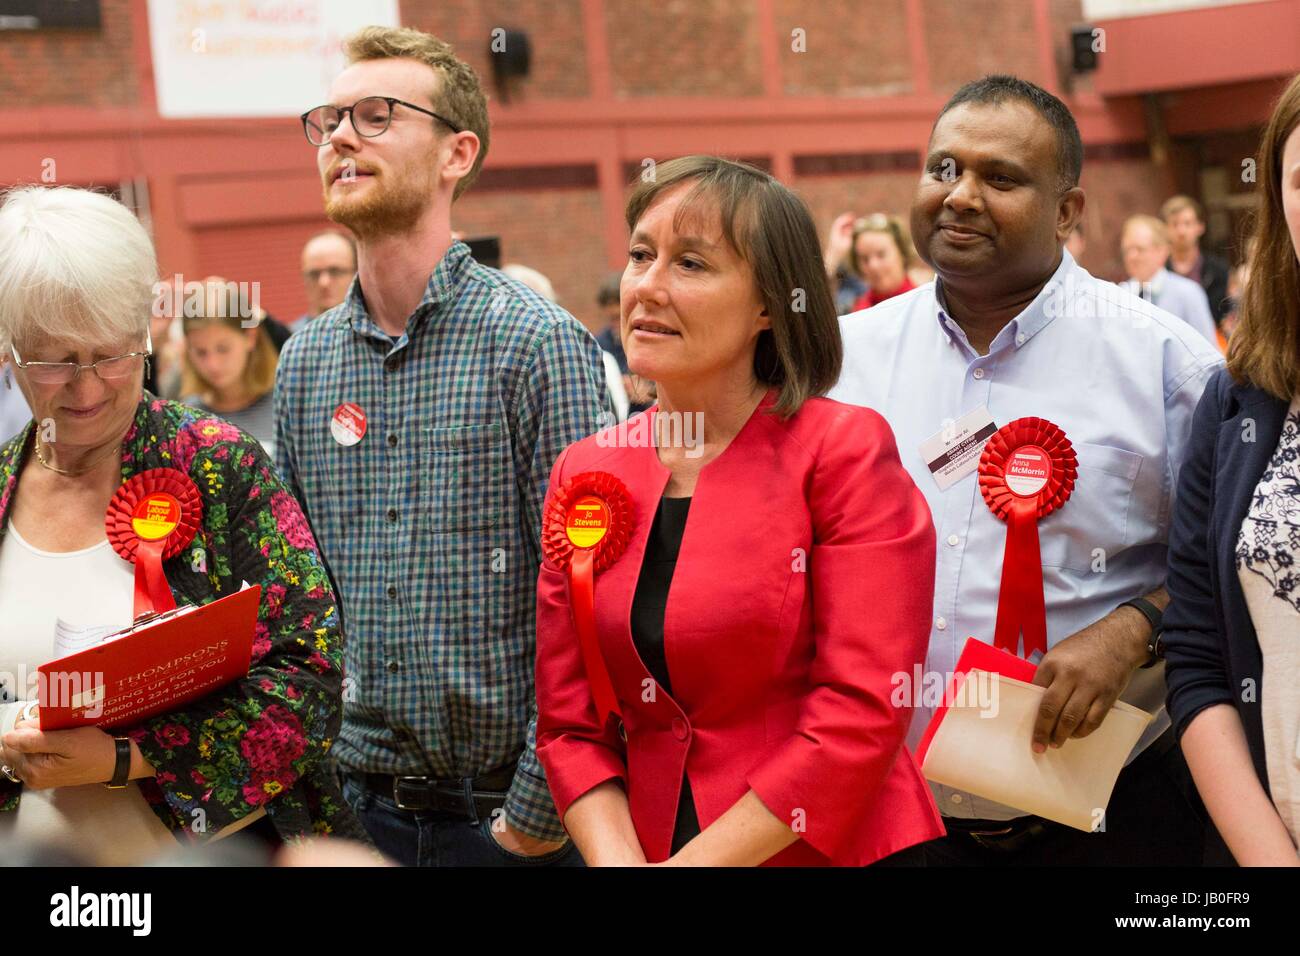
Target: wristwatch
1155	643
122	769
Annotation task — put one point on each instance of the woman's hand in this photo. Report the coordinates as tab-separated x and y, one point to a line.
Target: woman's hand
839	241
59	758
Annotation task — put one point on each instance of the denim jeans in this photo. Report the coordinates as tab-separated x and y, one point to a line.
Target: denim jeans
433	838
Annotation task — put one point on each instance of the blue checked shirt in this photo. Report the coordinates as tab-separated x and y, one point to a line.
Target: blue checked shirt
431	523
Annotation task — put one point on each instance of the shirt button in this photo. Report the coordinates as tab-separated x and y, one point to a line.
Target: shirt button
392	591
940	623
978	373
956	798
392	514
953	540
679	728
1020	338
392	439
394	667
390	365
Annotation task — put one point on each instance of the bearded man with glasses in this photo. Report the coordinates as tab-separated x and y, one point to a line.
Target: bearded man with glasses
418	422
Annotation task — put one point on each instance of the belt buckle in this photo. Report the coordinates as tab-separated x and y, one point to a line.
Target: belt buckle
397	785
1001	840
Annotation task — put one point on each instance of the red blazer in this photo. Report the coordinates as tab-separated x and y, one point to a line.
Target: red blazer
805	581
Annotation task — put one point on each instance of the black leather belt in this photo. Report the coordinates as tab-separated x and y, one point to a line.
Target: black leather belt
474	798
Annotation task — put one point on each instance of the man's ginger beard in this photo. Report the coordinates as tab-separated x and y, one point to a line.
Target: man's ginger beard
389	206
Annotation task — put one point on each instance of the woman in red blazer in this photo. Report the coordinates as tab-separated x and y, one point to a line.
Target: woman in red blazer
778	568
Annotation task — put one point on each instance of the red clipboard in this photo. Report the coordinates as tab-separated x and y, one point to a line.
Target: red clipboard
976	655
151	667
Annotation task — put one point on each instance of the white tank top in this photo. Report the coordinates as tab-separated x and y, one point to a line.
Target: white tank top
90	587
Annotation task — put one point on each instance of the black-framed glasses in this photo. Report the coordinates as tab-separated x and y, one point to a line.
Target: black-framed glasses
111	369
370	117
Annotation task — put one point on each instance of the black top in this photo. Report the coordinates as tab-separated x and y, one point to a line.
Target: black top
648	627
1211	651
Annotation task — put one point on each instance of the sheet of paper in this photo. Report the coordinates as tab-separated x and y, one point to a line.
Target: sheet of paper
983	747
71	638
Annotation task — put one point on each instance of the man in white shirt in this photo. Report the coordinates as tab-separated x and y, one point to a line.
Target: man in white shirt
1144	245
1011	328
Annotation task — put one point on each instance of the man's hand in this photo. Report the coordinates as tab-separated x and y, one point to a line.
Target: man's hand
1084	676
519	842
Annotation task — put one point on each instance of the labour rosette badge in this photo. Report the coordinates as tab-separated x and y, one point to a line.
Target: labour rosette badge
1027	471
586	528
150	519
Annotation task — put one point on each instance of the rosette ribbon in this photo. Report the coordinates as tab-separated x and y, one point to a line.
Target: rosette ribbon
151	518
1027	471
586	528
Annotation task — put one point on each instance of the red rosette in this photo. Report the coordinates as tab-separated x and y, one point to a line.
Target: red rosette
558	544
150	518
1027	471
586	528
1027	433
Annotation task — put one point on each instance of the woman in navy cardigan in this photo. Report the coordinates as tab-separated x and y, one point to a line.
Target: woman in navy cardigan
1232	629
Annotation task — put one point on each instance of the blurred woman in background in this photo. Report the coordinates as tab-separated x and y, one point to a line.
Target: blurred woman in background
882	255
229	369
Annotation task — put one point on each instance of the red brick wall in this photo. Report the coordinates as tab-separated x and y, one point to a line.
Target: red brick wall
71	67
1116	189
683	48
558	67
965	39
852	48
267	253
828	196
558	232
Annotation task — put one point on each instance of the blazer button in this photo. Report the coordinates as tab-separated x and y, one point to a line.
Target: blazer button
679	728
622	732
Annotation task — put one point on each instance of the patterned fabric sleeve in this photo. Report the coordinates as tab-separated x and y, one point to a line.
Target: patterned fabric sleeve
562	399
247	744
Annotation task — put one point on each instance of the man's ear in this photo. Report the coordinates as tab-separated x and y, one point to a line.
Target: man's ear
461	159
1068	212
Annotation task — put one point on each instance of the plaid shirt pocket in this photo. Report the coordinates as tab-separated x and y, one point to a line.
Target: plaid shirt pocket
468	472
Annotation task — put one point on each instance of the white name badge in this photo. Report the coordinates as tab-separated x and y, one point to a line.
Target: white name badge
953	452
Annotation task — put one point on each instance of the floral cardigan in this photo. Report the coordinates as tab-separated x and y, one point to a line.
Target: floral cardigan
263	740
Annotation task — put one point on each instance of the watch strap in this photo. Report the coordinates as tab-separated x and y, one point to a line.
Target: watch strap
122	769
1153	614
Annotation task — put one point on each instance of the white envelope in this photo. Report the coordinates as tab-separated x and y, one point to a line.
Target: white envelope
988	754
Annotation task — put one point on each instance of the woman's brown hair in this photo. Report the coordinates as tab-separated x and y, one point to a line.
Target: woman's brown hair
771	229
223	304
1264	350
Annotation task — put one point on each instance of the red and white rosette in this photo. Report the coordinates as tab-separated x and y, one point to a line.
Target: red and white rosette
1027	471
586	528
151	518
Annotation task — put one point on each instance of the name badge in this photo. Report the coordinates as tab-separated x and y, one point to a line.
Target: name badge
953	452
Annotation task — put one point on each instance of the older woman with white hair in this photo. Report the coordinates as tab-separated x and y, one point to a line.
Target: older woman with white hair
77	273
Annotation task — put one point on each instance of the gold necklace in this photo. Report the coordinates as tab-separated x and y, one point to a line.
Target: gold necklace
61	471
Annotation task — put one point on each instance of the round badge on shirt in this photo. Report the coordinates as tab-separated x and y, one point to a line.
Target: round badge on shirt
348	426
1028	471
587	521
156	516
